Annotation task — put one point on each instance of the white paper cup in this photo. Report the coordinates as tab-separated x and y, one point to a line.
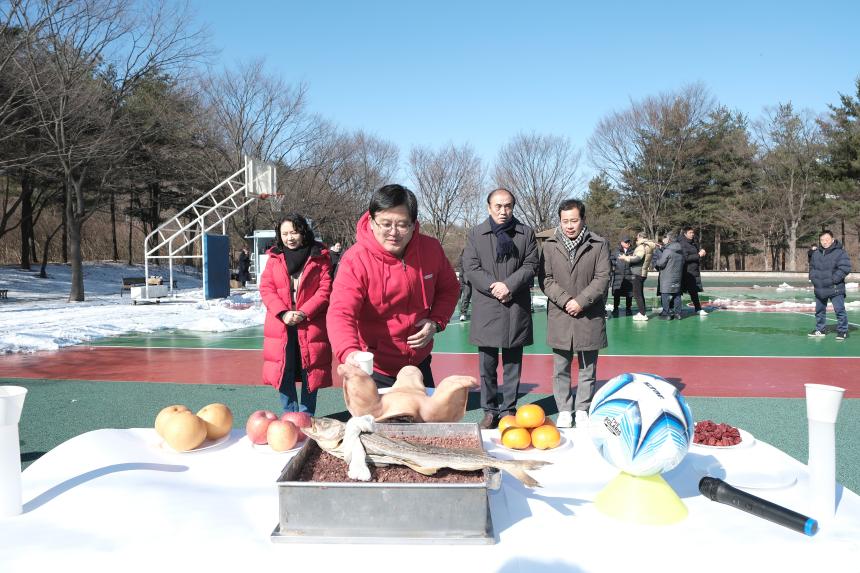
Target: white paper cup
822	402
11	405
364	361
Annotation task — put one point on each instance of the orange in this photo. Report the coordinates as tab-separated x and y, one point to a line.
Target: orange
507	422
530	416
545	437
516	438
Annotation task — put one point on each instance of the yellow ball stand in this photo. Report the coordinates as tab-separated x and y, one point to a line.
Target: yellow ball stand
648	500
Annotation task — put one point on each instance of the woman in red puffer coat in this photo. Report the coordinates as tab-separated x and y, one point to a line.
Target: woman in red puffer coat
295	287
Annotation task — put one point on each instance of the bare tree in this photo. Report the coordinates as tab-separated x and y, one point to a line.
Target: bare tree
646	150
255	113
335	179
791	150
540	170
446	180
81	67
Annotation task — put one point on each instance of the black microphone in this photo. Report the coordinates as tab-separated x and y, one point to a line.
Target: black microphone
718	490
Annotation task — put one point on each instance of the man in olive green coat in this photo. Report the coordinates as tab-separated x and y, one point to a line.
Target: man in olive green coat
574	275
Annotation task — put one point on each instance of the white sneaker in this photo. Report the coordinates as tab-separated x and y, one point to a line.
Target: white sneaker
581	418
565	420
703	313
640	316
462	317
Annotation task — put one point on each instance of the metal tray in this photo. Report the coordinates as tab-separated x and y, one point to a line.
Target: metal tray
324	512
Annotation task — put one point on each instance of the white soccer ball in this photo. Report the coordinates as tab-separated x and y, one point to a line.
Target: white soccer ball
640	424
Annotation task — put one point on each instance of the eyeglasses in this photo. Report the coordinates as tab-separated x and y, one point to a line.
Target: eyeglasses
388	226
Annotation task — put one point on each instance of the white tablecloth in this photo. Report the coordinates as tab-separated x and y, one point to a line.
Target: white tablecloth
113	500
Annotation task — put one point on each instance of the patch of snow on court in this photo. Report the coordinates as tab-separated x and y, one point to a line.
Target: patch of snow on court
37	315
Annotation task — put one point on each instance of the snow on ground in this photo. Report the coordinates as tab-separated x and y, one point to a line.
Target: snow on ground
785	305
36	316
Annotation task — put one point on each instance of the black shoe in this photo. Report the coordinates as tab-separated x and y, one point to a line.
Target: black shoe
615	314
489	422
840	336
628	311
816	333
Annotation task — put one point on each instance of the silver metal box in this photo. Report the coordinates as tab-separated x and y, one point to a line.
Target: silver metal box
321	512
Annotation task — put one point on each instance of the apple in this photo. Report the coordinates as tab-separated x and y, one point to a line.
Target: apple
219	420
282	435
184	431
166	413
300	419
258	424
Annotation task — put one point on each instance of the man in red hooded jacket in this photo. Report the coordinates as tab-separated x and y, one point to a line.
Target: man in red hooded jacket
394	290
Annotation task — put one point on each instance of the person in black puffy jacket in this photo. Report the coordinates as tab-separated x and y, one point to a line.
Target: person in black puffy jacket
828	267
691	281
669	260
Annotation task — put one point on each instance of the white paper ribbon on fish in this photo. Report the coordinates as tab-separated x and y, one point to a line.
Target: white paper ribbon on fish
353	450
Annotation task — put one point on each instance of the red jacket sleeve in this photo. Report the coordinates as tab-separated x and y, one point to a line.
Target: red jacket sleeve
269	290
447	291
319	300
347	297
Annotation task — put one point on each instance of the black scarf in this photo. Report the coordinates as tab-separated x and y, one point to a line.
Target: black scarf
504	242
296	259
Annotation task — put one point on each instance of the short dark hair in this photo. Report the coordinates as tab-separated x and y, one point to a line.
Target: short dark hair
826	232
569	204
300	224
686	228
501	190
390	196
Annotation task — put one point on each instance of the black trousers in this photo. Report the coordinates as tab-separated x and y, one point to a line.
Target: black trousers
639	293
689	285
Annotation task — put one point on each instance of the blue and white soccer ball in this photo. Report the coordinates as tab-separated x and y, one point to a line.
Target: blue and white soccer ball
641	424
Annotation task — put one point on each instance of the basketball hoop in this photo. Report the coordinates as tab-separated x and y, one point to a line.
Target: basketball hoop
275	202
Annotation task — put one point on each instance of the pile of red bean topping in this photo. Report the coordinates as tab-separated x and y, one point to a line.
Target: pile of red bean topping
708	433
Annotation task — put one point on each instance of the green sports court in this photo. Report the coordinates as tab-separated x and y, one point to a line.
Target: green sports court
745	364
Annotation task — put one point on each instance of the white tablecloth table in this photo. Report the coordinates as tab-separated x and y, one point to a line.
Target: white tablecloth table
113	500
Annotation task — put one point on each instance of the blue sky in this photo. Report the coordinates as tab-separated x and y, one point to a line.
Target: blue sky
432	73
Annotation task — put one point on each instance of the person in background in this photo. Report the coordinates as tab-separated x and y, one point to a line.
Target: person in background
621	277
394	290
244	274
669	260
335	254
574	273
640	262
500	261
828	267
465	292
295	287
692	279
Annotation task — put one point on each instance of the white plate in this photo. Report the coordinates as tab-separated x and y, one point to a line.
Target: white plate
204	446
765	476
747	440
564	444
266	449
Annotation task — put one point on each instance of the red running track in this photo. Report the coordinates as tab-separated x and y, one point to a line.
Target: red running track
741	377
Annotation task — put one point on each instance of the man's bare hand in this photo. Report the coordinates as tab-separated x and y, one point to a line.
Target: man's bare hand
572	307
426	330
500	291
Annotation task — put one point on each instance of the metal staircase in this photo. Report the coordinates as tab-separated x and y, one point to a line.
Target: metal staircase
257	179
